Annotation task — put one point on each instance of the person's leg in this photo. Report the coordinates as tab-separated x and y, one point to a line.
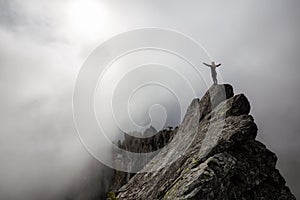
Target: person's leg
215	81
214	76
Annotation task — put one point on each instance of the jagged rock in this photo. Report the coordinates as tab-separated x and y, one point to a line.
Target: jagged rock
151	141
213	97
213	155
149	132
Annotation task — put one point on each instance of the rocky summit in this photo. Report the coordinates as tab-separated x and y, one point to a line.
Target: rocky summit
213	154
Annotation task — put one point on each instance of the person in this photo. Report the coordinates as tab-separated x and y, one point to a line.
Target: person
213	67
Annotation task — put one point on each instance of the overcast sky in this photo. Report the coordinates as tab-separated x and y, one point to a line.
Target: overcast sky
44	43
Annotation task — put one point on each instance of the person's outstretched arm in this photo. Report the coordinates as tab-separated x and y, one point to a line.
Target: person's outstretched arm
219	65
206	65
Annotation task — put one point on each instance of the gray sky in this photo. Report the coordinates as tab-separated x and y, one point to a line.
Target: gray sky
44	43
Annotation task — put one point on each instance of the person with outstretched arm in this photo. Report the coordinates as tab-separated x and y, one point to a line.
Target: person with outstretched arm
213	67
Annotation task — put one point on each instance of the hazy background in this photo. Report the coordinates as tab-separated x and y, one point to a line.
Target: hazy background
44	43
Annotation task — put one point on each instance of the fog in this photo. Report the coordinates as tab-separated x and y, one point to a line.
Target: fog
44	44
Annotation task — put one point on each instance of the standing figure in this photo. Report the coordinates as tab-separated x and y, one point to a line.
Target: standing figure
213	67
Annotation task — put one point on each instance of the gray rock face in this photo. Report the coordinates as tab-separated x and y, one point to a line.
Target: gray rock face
152	142
213	155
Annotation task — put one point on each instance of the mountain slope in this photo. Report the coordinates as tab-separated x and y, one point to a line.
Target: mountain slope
213	155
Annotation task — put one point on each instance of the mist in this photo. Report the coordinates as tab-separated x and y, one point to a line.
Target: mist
44	44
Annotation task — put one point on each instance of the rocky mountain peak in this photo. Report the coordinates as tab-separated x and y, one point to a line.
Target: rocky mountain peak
213	154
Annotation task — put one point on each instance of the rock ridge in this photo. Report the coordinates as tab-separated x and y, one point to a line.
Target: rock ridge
213	154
